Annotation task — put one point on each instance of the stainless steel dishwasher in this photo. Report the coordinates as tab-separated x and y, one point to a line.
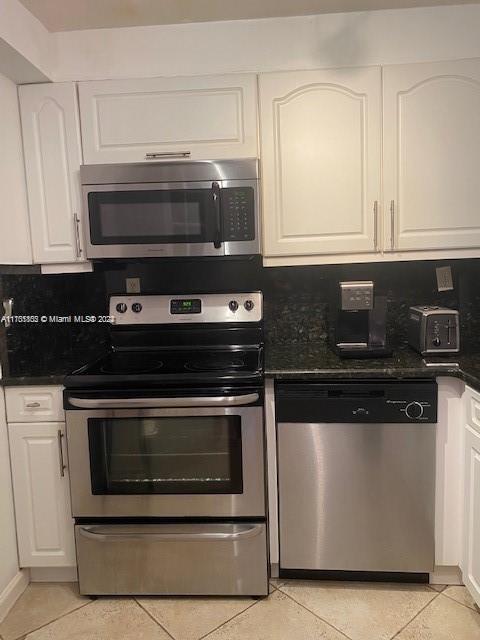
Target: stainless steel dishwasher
356	478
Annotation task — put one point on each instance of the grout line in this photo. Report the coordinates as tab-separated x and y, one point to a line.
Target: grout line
471	608
437	590
316	615
82	606
395	635
230	619
154	619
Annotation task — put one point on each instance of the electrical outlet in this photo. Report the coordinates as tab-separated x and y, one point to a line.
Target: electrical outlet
132	285
444	278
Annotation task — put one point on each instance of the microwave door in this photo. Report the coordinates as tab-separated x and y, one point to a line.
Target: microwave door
149	220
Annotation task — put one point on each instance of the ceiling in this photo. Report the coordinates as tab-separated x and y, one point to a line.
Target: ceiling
69	15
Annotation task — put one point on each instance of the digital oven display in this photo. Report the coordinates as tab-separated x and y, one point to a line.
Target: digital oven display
186	305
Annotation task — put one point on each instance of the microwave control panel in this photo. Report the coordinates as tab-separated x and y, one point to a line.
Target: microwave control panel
238	209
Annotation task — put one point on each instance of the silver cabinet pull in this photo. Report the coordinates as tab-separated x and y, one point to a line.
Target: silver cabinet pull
76	226
60	453
7	311
392	225
101	534
375	222
32	405
167	154
133	403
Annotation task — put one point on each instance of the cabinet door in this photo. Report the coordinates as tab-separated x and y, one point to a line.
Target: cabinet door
432	155
320	149
471	563
51	140
171	118
42	497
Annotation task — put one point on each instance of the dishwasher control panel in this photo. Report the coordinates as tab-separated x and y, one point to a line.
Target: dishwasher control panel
377	401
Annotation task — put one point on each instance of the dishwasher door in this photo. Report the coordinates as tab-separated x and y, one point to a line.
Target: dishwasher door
356	496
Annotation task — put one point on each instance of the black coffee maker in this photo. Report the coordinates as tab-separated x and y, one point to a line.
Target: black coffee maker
360	321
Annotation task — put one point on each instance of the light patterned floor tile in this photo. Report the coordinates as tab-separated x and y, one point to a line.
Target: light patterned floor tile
363	611
438	587
443	619
276	618
39	604
192	618
104	619
460	594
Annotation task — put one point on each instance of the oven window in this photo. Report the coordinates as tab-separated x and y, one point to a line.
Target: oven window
151	217
195	455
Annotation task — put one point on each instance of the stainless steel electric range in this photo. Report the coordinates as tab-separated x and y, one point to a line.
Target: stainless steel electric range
166	448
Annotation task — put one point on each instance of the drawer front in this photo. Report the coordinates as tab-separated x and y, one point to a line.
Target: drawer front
34	404
173	559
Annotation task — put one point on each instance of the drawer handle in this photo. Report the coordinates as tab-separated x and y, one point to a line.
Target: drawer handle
250	532
60	453
167	154
32	405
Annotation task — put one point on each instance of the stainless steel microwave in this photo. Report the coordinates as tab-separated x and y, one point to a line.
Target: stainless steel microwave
171	209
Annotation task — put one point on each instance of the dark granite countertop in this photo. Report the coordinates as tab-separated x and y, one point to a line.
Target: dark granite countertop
316	361
23	381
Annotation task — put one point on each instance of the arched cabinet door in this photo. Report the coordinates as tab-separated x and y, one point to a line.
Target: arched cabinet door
53	154
432	155
321	154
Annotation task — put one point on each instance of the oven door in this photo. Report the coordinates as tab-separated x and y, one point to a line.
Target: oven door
153	219
166	462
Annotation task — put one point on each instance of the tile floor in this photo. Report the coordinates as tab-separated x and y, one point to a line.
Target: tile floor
295	610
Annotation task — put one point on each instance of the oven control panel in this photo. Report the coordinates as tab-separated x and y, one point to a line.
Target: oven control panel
199	308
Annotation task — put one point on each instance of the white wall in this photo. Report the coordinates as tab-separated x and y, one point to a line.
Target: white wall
15	245
26	47
329	40
8	543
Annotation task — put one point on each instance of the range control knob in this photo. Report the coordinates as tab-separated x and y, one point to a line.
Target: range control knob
233	305
249	304
436	342
414	410
136	307
121	307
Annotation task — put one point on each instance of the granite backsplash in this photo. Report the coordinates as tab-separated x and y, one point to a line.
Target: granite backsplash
297	300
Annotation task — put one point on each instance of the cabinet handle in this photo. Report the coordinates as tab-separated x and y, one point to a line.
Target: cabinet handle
392	225
76	225
60	453
375	222
167	154
32	405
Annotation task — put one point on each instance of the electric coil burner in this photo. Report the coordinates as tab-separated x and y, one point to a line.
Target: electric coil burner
166	445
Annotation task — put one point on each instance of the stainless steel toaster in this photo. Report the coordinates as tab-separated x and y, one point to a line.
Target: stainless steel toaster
434	330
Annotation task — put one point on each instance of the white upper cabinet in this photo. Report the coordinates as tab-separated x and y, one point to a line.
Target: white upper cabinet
432	155
210	117
321	161
15	245
51	140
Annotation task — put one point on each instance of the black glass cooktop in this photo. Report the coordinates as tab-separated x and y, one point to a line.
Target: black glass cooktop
141	366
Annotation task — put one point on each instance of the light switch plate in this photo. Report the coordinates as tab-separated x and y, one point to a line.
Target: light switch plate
132	285
444	278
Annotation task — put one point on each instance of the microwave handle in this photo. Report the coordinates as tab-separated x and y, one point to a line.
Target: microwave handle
217	240
157	403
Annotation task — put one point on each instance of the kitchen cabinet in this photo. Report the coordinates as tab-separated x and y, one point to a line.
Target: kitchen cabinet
202	118
431	131
41	494
471	549
321	161
52	148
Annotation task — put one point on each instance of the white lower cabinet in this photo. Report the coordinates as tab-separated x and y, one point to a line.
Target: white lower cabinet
471	546
41	492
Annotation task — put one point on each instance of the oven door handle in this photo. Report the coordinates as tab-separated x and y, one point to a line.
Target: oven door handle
135	403
96	533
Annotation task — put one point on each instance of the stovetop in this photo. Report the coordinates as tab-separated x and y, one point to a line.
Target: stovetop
146	368
181	340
